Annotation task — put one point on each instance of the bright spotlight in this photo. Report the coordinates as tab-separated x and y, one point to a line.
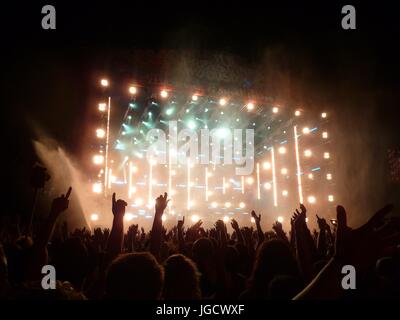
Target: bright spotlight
282	150
163	217
242	205
267	165
97	187
275	109
94	217
326	155
310	176
250	180
280	219
306	130
284	171
222	102
100	133
285	193
252	220
191	124
164	93
323	115
328	176
227	204
195	97
307	153
311	199
330	198
195	218
250	106
104	82
98	159
214	204
325	135
297	113
267	186
225	219
128	216
139	201
132	90
102	107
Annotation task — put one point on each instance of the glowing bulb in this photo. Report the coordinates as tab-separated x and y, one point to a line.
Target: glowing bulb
323	115
285	193
139	201
252	220
97	187
325	135
249	180
104	82
297	113
328	176
310	176
311	199
306	130
214	204
100	133
98	159
132	90
282	150
280	219
242	205
128	216
102	107
284	171
195	97
195	218
222	102
307	153
164	93
326	155
134	169
267	186
133	189
163	217
227	204
330	198
94	217
225	219
275	109
250	106
266	165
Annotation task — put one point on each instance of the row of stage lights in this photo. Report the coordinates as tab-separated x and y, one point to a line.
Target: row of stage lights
222	101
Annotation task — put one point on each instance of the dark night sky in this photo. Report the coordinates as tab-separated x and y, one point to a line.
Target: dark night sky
48	75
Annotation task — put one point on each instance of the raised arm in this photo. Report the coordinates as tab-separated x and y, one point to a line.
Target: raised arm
260	233
181	241
235	226
156	231
116	238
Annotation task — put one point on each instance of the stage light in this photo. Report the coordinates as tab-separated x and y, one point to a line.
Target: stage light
97	187
250	106
102	107
297	113
311	199
214	204
325	135
163	217
326	155
195	218
209	193
222	133
100	133
139	201
310	176
169	111
306	219
133	189
225	219
282	150
330	198
227	204
104	82
113	179
267	165
98	159
328	176
222	102
280	219
307	153
284	171
164	93
285	193
250	180
94	217
323	115
132	90
195	97
191	124
242	205
267	186
128	216
252	220
275	109
306	130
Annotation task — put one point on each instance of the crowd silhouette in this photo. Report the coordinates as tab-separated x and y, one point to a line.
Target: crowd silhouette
189	262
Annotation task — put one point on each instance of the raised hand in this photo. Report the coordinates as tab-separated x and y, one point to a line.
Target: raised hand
180	223
61	203
256	218
277	227
118	206
322	223
234	224
161	203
